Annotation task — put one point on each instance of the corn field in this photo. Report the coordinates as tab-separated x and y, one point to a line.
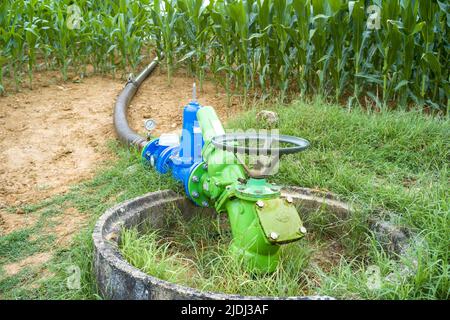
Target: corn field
381	53
50	34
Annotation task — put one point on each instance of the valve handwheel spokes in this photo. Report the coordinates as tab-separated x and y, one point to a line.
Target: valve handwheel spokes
230	142
267	148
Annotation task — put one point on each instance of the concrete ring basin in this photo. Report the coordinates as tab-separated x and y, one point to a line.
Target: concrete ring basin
117	279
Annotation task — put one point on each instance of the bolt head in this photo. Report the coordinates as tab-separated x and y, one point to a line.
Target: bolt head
274	235
259	203
195	194
152	161
195	179
289	199
302	229
205	204
205	166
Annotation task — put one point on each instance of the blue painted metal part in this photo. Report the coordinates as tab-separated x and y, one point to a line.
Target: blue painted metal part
182	159
191	138
152	151
164	162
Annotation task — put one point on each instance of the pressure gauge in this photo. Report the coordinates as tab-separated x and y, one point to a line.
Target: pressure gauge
149	124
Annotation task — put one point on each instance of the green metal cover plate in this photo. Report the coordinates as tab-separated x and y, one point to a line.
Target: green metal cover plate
279	217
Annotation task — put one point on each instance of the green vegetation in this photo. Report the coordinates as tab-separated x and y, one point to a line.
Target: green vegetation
195	253
392	165
315	47
54	35
271	47
18	245
126	179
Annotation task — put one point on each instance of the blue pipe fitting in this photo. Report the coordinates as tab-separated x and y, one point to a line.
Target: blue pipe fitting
181	159
151	152
164	161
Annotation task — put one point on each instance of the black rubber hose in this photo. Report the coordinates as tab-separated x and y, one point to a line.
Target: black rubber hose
123	130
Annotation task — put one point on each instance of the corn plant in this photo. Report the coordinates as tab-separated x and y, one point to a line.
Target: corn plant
194	24
3	53
301	36
222	46
270	47
164	17
338	20
240	37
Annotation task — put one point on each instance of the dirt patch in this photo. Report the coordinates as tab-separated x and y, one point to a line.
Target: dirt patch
67	225
13	221
328	255
31	261
63	227
54	136
164	103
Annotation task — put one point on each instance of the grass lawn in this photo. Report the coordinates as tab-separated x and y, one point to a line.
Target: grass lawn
392	165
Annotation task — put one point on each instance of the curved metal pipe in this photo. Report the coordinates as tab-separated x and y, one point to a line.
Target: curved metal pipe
123	130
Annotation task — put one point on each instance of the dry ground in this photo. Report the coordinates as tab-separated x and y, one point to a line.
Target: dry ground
55	136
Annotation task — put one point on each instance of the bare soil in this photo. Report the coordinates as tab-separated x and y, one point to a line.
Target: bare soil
31	261
55	135
65	225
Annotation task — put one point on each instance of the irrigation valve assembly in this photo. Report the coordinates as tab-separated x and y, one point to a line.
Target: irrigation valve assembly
212	167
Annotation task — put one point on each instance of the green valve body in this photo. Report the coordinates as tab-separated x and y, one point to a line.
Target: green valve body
260	219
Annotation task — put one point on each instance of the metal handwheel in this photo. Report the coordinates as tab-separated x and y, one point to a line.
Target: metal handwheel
231	142
267	148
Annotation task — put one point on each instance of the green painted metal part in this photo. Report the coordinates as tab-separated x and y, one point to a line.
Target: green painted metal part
196	185
280	221
260	219
256	189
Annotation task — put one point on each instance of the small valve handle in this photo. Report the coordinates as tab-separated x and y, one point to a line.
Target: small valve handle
194	92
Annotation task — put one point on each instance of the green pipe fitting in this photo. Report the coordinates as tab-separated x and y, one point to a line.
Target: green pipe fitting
260	219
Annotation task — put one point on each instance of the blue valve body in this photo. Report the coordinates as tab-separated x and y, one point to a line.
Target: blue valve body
183	158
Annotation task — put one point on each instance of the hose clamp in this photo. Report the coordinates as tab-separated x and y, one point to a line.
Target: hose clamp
131	80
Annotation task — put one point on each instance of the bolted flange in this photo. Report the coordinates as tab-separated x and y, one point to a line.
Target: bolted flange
196	189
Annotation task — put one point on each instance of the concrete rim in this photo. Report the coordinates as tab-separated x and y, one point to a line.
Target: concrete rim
117	279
